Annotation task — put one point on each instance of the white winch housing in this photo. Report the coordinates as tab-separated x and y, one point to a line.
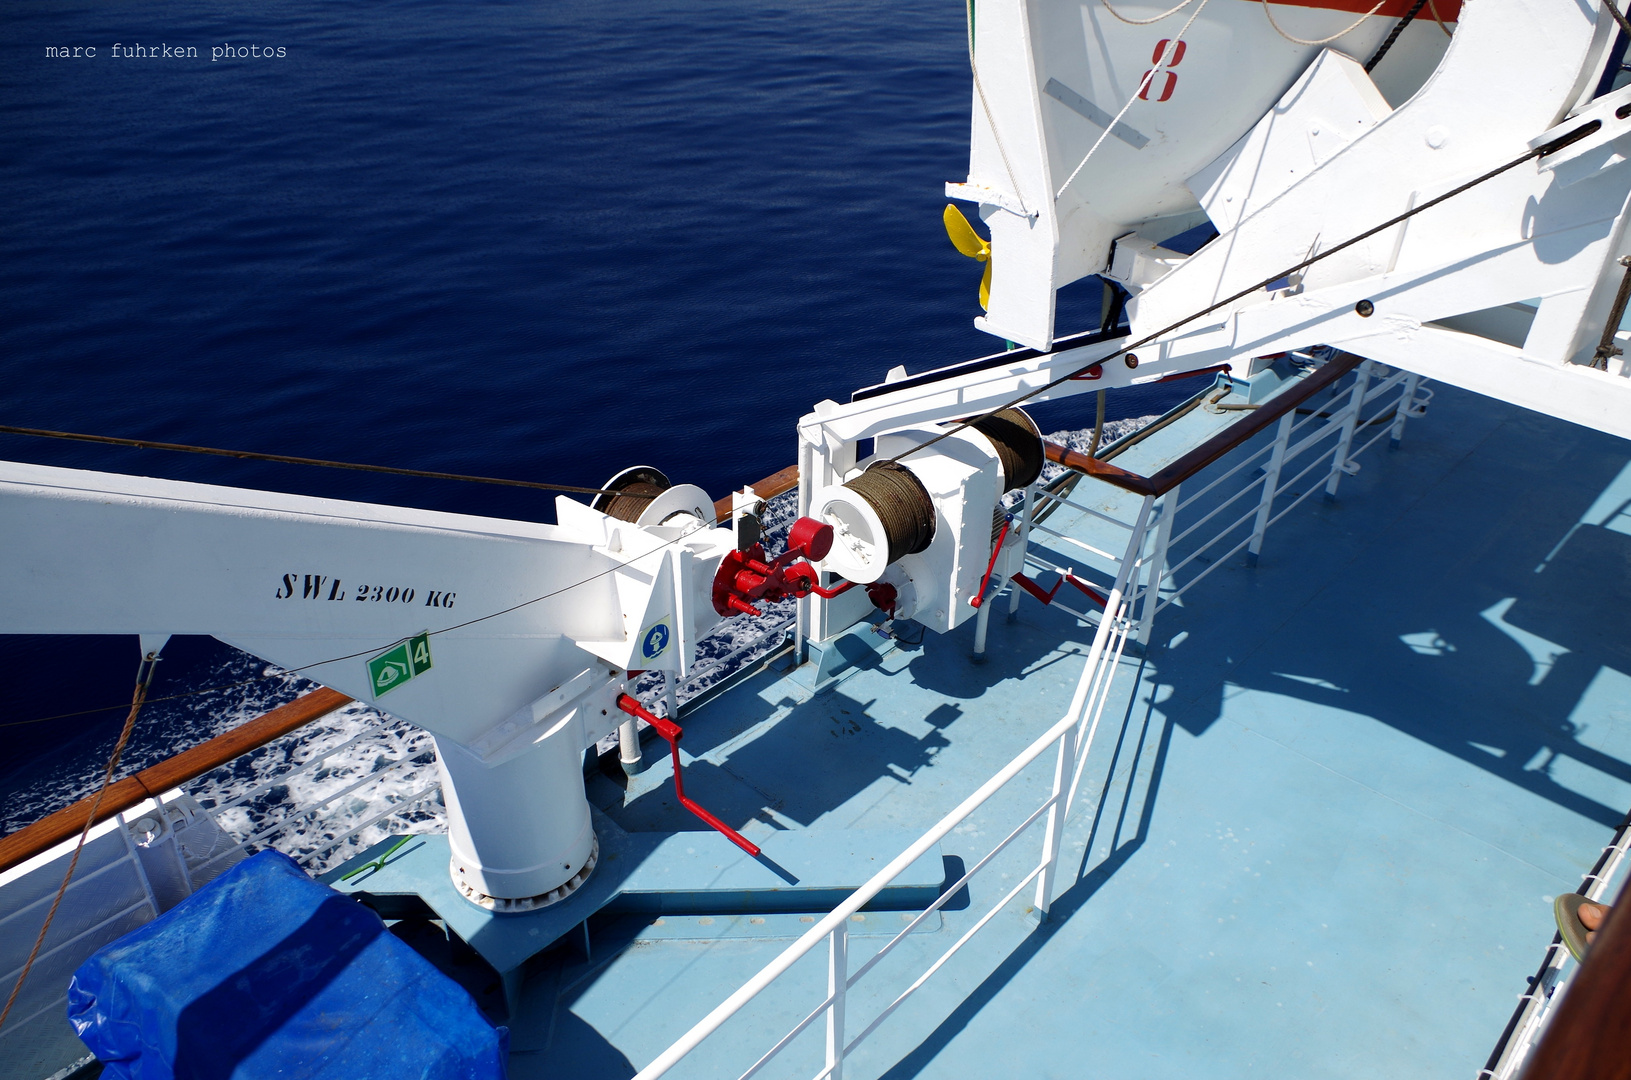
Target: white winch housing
963	478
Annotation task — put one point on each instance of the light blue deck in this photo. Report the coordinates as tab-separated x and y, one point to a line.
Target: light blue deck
1319	832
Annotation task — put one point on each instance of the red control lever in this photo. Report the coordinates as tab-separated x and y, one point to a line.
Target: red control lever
996	549
672	732
1046	596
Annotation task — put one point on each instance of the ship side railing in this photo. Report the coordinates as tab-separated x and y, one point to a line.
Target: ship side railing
298	778
1549	986
1262	487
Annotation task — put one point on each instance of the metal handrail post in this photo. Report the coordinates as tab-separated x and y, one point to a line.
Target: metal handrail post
1022	546
982	623
1158	562
1356	403
1407	400
837	983
1271	487
1053	837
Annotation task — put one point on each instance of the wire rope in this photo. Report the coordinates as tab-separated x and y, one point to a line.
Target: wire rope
1393	35
286	459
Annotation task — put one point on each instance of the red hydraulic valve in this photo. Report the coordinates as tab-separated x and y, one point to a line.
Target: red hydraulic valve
744	576
671	731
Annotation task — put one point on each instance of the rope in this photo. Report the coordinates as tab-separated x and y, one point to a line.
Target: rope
1166	58
1144	22
1619	18
979	92
149	701
1098	425
144	678
1432	6
1552	147
248	455
1325	40
1398	28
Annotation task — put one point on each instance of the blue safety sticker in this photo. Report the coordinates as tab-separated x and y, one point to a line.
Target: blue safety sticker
654	639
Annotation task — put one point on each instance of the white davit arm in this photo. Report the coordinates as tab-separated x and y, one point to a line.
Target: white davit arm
515	609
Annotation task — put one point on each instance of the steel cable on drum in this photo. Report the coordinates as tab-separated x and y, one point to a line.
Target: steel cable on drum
902	504
630	502
1014	435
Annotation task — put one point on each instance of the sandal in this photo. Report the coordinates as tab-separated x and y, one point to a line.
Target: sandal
1566	909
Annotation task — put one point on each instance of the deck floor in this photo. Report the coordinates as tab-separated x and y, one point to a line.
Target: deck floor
1319	831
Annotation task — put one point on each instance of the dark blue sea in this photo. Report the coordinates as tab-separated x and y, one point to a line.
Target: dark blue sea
539	241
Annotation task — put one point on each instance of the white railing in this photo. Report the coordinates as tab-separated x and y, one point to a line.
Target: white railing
1131	603
1158	586
333	800
1338	460
1072	735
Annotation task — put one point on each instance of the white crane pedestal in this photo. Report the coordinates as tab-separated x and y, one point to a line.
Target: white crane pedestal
519	832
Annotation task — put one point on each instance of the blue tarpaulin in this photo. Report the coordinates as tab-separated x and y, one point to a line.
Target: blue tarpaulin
266	973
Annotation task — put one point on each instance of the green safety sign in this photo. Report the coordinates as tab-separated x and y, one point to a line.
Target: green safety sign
401	662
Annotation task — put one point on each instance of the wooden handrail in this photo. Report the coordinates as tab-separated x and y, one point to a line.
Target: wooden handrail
53	829
1215	447
1587	1038
768	488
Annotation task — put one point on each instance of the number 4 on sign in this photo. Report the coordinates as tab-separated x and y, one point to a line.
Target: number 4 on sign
401	662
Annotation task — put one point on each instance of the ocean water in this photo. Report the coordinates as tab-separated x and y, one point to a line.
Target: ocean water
534	241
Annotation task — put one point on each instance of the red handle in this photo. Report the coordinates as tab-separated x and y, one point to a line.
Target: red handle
996	549
672	732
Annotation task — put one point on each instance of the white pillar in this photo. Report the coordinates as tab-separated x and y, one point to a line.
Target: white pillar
1356	406
520	828
982	621
837	983
1401	412
1053	838
1271	486
628	747
1158	563
1016	560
